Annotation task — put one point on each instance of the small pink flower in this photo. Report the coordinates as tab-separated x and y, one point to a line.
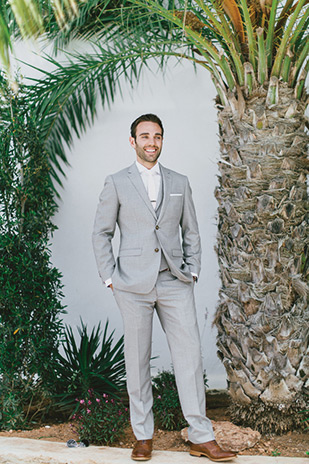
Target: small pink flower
88	411
89	402
106	401
159	397
97	400
104	395
82	402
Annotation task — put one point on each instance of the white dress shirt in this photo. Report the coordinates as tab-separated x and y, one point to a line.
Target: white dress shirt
151	179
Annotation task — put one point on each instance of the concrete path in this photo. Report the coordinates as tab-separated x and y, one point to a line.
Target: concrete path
26	451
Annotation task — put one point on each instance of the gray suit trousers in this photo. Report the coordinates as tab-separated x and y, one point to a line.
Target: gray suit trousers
174	302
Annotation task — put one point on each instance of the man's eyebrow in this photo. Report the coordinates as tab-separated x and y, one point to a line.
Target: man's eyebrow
147	133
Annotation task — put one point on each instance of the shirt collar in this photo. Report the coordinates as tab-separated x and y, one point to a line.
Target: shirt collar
154	170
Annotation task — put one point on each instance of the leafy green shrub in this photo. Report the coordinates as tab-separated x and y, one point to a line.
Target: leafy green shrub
30	287
12	415
100	419
166	405
88	367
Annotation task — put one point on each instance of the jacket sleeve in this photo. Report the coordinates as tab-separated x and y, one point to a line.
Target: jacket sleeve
104	229
191	242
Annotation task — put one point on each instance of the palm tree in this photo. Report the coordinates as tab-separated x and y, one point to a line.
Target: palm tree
257	55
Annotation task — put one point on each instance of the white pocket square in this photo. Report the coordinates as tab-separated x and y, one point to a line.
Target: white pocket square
175	194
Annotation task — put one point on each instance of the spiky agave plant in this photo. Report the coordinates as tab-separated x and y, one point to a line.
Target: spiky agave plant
96	365
257	54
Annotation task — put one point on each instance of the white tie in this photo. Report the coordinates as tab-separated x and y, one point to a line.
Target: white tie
151	188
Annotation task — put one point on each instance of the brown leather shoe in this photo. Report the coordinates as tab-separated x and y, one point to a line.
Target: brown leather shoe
142	450
212	451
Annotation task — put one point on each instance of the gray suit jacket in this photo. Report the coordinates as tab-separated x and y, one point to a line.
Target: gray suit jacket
143	235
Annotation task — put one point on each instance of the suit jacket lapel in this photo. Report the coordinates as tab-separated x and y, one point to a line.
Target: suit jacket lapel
167	188
160	197
136	180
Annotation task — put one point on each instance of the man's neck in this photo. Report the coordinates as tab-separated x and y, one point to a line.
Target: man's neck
147	165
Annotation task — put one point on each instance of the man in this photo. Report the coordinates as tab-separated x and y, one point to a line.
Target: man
155	270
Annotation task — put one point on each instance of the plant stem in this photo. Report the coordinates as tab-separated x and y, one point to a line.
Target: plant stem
299	62
301	81
250	34
262	62
272	94
250	82
287	65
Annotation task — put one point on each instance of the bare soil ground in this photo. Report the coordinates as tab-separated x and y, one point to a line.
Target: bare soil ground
293	444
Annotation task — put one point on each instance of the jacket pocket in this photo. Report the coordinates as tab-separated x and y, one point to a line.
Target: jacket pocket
177	252
130	252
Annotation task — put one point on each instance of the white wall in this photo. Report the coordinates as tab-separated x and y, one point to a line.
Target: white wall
184	102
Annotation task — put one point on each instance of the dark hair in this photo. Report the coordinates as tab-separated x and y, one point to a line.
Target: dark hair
145	117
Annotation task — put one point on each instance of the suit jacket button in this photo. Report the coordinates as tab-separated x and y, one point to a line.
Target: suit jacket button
157	227
156	250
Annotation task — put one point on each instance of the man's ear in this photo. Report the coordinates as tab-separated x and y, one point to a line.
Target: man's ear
132	142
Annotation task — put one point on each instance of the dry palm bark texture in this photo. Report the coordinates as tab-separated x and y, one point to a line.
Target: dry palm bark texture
263	314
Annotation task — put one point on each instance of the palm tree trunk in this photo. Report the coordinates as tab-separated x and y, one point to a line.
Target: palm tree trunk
262	316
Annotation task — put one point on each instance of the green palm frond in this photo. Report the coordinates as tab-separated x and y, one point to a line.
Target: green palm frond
31	19
5	39
93	18
242	44
224	32
65	100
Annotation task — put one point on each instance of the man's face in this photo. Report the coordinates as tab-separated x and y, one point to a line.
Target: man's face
148	143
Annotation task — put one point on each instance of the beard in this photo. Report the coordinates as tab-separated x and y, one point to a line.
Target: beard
148	157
